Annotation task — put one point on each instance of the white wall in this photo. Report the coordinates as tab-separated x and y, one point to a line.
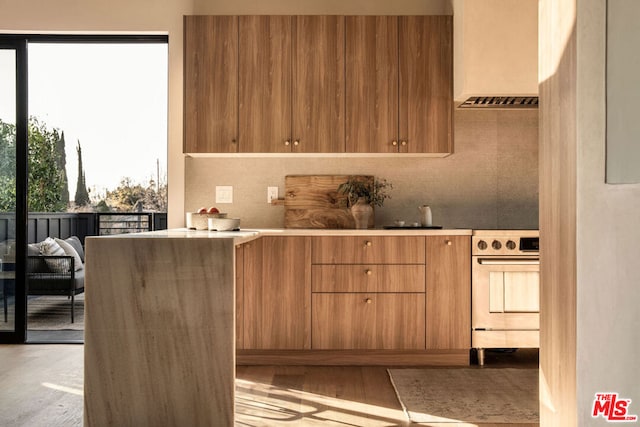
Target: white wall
123	17
608	240
623	92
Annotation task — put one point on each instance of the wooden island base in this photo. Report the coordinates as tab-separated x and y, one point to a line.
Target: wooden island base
353	357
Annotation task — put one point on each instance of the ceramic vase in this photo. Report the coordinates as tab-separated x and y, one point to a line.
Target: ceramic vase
425	215
361	212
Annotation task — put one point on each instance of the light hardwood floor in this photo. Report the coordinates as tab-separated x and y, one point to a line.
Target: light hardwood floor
42	385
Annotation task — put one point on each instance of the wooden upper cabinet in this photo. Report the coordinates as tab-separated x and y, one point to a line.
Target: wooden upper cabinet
265	82
211	86
318	84
318	94
426	84
399	84
291	84
371	84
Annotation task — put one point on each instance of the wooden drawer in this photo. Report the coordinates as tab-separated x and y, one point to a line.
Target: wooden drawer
368	278
368	250
351	321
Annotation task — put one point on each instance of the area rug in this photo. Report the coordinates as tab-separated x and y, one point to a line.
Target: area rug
53	313
468	395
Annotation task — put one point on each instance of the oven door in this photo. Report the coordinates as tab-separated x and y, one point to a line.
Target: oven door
505	293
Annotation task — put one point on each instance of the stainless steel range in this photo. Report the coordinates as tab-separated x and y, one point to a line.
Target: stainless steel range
505	290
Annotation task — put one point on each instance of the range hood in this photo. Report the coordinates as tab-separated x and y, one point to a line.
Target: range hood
495	53
500	102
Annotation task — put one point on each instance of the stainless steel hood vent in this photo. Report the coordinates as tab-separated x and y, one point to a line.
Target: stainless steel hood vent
501	102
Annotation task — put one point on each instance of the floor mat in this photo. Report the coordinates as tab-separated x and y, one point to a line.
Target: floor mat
468	395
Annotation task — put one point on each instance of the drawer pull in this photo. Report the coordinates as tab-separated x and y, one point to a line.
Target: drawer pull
367	300
447	242
367	243
368	272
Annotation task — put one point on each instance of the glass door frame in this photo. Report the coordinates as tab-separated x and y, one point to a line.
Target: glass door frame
19	43
19	46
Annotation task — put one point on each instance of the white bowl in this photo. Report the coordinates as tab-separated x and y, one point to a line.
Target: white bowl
199	221
223	224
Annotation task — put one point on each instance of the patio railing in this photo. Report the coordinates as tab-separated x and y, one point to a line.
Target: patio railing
120	223
44	224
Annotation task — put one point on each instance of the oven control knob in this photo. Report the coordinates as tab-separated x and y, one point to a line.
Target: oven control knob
482	245
510	244
496	245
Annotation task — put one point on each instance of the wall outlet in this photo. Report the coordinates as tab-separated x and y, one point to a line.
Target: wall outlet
272	193
224	194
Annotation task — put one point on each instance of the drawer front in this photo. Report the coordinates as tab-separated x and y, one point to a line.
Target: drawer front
368	278
368	250
363	321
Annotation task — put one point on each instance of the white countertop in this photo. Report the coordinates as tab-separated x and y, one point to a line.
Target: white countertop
245	235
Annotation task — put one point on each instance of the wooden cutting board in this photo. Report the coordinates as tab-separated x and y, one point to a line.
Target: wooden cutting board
312	201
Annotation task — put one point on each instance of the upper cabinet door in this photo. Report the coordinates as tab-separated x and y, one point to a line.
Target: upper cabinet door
265	84
211	84
318	93
426	84
318	84
371	84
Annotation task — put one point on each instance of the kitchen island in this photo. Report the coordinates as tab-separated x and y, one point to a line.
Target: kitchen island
160	323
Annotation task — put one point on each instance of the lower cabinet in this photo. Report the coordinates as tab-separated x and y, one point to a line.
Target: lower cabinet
448	292
367	278
368	293
377	321
398	300
276	292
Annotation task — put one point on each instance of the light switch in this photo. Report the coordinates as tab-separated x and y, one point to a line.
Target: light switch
272	193
224	194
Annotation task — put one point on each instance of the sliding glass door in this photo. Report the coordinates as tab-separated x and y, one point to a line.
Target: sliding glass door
108	93
13	172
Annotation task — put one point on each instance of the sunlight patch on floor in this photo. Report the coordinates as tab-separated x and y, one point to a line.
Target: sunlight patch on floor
63	388
263	404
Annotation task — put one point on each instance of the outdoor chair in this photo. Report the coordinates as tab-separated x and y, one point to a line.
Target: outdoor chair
54	275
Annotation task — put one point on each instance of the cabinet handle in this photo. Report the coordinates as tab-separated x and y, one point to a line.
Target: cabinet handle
296	142
368	272
287	142
233	141
403	143
448	242
394	143
367	243
367	300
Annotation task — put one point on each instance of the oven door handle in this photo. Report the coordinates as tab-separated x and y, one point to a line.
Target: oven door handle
509	261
